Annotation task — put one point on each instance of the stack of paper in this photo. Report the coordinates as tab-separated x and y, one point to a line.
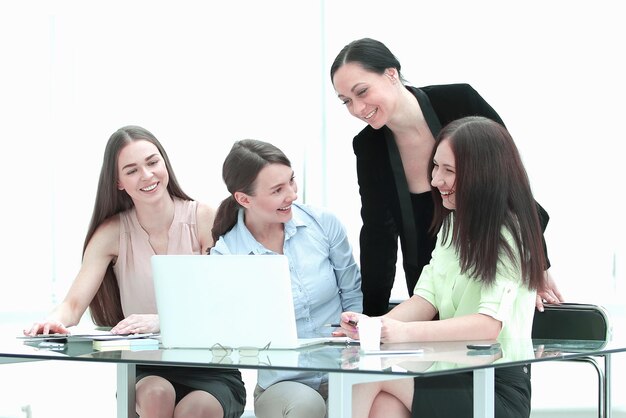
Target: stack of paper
125	343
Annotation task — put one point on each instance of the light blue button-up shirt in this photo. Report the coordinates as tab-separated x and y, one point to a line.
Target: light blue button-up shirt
325	279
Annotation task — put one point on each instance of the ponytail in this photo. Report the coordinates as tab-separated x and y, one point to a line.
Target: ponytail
225	218
239	172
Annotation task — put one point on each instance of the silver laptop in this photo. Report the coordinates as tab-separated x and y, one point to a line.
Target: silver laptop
232	300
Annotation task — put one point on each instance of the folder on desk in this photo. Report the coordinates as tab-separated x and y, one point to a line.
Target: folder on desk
86	336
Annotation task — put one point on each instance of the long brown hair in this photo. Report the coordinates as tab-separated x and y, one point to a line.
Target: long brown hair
492	192
239	171
106	307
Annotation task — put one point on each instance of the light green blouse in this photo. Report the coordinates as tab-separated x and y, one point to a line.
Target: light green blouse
454	294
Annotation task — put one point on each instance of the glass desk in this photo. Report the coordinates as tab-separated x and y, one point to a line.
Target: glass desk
344	363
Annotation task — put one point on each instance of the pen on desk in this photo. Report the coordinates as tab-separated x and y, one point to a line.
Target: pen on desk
351	322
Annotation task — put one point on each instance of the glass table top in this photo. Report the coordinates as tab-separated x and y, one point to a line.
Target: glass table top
420	358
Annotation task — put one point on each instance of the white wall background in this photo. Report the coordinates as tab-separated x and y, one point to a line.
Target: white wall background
201	76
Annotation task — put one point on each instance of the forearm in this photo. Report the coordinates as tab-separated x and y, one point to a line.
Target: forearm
468	327
349	282
345	268
68	313
414	309
352	301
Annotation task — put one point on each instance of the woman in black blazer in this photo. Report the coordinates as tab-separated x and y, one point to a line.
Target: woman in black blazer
393	153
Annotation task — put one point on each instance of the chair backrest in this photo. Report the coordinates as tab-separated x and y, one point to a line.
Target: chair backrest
572	321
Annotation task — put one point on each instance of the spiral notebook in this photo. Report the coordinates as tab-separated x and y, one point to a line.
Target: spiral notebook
232	300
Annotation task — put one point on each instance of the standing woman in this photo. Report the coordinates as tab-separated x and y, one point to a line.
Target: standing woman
140	211
261	217
392	163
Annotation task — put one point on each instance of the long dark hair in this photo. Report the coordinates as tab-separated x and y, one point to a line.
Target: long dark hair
371	54
106	307
240	170
492	192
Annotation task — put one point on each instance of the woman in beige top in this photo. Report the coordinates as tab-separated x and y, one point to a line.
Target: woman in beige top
140	210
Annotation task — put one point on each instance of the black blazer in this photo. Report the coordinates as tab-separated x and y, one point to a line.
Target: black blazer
380	204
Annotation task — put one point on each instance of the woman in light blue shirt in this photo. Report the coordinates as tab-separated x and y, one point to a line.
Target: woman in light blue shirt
261	217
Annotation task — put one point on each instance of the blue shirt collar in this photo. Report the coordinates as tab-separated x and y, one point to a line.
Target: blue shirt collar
256	248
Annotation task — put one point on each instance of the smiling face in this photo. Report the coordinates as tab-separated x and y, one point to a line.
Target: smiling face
141	171
275	190
444	174
368	96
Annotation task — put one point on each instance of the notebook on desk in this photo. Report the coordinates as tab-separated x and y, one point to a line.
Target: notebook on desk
232	300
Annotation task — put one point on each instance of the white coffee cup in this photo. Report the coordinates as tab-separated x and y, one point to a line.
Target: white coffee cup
369	333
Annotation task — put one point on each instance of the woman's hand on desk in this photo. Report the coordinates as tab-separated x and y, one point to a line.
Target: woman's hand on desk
47	327
137	324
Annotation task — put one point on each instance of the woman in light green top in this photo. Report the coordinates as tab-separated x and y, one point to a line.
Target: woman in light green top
481	281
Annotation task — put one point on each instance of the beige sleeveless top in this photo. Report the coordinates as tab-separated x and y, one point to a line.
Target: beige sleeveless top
133	269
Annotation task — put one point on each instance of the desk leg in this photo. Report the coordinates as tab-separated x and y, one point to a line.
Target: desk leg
126	390
484	393
607	386
339	395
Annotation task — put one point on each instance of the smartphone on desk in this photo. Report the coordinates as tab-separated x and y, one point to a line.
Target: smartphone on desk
483	346
483	349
